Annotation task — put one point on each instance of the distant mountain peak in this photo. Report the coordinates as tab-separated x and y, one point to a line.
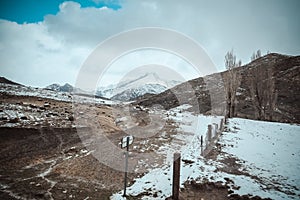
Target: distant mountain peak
57	87
131	88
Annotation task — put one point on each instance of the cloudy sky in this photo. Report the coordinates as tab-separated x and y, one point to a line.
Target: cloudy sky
44	42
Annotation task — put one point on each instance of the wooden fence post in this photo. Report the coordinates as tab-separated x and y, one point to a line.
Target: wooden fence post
216	130
201	141
209	132
221	124
126	166
176	176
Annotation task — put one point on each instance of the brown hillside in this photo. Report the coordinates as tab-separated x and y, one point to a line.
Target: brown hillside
281	70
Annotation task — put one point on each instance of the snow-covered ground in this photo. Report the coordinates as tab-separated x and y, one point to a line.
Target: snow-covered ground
19	90
271	152
268	155
24	114
158	182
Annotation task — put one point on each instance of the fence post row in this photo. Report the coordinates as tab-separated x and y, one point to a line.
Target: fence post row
177	159
213	130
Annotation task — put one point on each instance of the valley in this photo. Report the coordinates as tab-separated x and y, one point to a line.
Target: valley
64	145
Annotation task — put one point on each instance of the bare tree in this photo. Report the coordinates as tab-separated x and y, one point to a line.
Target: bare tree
256	55
232	81
272	96
263	93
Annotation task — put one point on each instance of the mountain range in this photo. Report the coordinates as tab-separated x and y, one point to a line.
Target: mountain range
128	90
61	88
282	84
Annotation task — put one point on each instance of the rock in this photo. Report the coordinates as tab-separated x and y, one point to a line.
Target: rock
187	161
40	195
230	192
15	120
32	106
3	118
71	118
24	118
228	180
46	105
71	151
54	114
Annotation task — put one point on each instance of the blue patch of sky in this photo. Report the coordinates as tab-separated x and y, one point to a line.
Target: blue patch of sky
31	11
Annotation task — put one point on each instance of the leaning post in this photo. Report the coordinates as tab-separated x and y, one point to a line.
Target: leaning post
176	176
209	127
126	166
221	124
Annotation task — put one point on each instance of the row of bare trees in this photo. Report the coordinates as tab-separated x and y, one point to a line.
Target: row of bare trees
232	82
256	55
261	85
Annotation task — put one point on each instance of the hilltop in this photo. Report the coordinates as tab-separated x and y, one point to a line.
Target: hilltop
6	81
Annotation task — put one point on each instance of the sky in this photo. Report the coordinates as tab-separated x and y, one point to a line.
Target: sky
45	42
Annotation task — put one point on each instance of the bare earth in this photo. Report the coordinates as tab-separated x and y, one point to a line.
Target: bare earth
43	157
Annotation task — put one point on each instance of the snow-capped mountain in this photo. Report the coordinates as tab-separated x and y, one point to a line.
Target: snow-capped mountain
132	88
106	92
131	94
64	88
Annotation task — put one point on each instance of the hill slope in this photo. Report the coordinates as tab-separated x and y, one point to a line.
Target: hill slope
5	80
283	71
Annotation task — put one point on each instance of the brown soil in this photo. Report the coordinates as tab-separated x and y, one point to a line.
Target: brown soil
47	159
35	166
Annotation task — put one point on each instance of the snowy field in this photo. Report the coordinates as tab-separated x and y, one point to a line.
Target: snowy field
21	113
268	155
271	152
19	90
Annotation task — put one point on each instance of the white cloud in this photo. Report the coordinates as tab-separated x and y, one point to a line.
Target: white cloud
30	55
54	49
146	57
